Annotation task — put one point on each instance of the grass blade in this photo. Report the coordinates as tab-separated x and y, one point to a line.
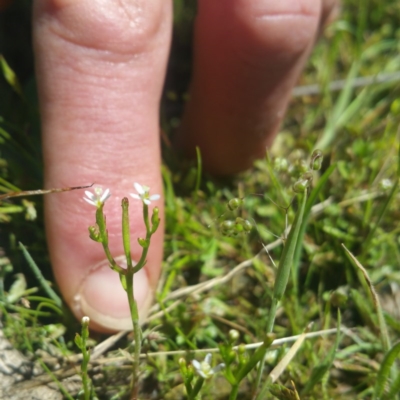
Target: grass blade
385	370
381	320
320	370
39	276
310	202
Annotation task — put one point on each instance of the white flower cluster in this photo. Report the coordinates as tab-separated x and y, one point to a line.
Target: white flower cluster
98	198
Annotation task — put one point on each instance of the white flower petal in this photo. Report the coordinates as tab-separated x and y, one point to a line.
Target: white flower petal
135	196
139	188
105	195
154	197
98	197
146	201
90	201
208	358
218	368
196	365
90	195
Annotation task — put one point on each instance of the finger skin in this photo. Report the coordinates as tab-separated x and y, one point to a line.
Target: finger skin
248	56
100	68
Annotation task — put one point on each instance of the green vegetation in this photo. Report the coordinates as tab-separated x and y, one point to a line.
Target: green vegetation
335	318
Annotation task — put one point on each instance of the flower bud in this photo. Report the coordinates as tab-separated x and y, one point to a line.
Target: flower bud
234	204
183	365
227	227
233	335
302	184
241	349
316	160
94	233
242	225
125	202
238	227
155	219
281	164
143	242
247	225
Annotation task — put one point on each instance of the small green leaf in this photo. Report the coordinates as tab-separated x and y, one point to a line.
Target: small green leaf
78	341
17	289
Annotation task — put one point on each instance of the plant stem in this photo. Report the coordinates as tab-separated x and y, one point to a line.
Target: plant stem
86	381
197	388
136	328
272	314
234	392
130	290
141	263
101	223
282	276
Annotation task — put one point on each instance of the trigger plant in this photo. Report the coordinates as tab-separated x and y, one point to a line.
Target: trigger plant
99	234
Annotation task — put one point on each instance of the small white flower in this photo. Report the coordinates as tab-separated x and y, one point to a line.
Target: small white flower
204	368
98	198
386	184
143	194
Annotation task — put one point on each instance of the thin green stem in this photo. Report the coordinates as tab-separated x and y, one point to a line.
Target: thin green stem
282	276
130	290
126	237
196	389
141	263
137	332
127	275
86	381
234	392
272	314
101	223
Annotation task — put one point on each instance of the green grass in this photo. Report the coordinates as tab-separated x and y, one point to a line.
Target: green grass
212	283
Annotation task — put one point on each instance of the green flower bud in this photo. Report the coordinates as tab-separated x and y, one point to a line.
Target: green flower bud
339	297
281	164
241	349
189	373
85	328
125	203
302	184
233	335
143	242
242	225
155	219
94	233
247	225
234	204
238	227
183	366
227	227
316	160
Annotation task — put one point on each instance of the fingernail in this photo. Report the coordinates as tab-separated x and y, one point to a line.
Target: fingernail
102	298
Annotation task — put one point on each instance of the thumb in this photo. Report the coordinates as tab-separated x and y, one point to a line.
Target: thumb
100	69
